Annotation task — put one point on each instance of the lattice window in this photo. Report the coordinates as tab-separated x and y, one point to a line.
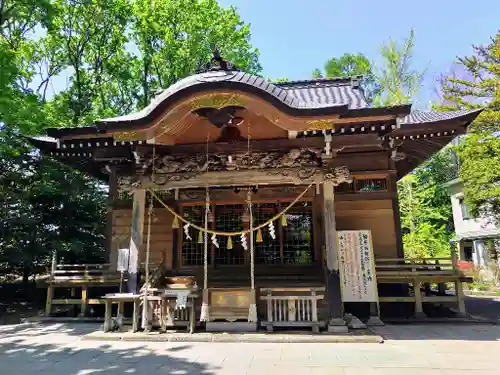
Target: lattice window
293	243
298	235
267	251
228	218
372	184
192	251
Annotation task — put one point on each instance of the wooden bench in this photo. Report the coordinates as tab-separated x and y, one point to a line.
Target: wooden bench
292	307
79	277
419	272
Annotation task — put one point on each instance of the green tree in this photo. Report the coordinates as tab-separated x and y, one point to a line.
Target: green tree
399	83
424	204
177	38
349	65
114	55
479	152
426	216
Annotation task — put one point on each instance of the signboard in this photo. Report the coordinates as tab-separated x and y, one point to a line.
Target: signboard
357	266
122	263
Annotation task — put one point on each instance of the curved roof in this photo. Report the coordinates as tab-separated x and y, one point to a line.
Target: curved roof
300	97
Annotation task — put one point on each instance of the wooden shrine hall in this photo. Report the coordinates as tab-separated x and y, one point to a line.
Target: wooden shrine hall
259	204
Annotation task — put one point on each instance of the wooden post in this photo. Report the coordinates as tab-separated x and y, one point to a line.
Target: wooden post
460	298
396	215
48	302
419	311
192	316
135	314
138	212
335	306
50	287
112	198
107	315
459	290
83	310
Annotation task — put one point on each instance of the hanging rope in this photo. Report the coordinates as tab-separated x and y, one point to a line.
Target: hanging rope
218	233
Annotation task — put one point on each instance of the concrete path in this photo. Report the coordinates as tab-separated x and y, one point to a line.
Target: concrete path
484	306
58	349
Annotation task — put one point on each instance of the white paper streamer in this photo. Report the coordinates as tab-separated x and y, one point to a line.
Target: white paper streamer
186	232
214	241
244	241
272	233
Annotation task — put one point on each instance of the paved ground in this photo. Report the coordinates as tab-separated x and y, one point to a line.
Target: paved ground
433	349
484	306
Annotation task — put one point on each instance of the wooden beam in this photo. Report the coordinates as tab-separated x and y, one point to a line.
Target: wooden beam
267	145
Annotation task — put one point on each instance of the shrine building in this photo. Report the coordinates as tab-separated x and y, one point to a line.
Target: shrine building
272	199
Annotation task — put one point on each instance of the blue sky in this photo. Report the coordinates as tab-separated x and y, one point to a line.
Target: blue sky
296	36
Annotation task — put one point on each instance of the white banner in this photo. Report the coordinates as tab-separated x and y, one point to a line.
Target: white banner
357	266
122	263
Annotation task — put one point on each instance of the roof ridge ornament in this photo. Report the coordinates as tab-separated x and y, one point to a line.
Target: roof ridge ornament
217	64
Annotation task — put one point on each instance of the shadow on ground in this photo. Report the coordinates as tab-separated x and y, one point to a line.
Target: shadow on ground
20	354
486	307
455	331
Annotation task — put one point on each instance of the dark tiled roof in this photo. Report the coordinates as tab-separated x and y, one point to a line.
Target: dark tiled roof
419	117
319	94
332	91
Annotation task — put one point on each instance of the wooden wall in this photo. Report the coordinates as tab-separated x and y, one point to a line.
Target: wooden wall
374	215
161	235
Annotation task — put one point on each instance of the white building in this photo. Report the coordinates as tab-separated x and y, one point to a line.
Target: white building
471	233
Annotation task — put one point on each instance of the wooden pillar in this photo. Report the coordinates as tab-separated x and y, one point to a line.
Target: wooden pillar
50	287
48	303
176	262
138	211
84	301
419	311
335	306
459	290
112	198
396	216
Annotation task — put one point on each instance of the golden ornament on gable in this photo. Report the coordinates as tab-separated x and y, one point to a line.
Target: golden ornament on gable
216	101
127	136
320	125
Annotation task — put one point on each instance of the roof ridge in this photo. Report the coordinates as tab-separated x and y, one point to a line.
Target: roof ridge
345	80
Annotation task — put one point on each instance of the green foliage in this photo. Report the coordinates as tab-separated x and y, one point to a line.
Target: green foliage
176	38
479	152
425	207
114	56
398	81
46	206
349	65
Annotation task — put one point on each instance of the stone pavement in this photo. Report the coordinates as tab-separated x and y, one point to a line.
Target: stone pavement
58	349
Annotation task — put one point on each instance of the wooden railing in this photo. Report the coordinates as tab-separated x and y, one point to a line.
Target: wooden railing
420	273
292	307
79	278
432	268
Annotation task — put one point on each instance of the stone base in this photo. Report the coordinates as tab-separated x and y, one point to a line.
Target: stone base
231	327
419	315
338	329
355	323
337	326
374	321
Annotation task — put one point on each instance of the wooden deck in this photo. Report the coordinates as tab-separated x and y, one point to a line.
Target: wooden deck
420	274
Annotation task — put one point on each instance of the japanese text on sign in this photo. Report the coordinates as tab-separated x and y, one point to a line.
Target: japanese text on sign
357	273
